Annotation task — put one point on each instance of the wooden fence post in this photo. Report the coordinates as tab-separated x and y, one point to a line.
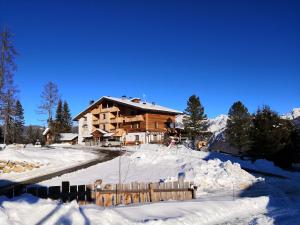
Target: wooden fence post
151	192
65	190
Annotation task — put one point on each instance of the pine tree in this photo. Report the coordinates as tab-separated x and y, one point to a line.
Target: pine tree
59	120
238	132
67	118
19	122
194	117
56	126
270	133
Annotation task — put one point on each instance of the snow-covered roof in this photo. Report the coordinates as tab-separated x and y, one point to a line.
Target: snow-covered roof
100	130
108	135
46	131
67	136
129	102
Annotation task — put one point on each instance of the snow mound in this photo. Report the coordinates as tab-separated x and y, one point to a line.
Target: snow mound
153	163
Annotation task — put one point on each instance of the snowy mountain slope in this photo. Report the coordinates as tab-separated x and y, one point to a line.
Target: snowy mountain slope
295	113
215	125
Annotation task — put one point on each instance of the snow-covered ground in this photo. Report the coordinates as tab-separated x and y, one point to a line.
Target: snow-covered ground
153	163
227	194
191	212
51	160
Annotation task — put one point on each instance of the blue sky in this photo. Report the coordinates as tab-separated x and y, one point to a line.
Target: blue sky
222	51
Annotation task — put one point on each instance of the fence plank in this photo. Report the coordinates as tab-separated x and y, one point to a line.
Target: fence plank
81	194
32	190
89	193
65	190
42	192
73	192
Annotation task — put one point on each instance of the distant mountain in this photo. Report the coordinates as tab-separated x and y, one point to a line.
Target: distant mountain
294	114
215	125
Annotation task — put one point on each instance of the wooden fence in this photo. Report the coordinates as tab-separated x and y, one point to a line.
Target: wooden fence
111	194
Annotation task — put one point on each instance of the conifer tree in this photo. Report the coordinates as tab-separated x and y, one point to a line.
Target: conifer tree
238	132
194	117
270	133
67	118
59	120
19	122
56	126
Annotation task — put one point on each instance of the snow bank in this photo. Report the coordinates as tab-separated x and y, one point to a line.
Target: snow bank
152	163
260	165
17	210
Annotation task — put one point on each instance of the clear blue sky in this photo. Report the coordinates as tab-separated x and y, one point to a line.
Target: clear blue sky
222	51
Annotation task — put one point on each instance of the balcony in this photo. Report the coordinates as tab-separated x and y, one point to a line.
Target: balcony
117	120
110	109
96	121
107	120
137	118
96	111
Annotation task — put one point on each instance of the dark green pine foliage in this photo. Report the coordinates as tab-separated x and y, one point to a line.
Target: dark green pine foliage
195	116
238	132
56	126
59	120
270	134
19	122
67	118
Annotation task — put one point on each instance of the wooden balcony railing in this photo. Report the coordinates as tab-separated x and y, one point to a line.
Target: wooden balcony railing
110	109
136	118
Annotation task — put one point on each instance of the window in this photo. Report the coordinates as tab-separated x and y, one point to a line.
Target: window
137	138
104	116
137	125
156	125
84	118
104	127
85	126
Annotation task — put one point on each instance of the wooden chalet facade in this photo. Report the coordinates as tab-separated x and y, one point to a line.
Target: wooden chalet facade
129	120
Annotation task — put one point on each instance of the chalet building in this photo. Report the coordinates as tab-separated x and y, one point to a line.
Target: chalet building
129	120
64	138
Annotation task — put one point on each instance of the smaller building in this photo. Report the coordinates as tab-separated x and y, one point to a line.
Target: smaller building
68	138
64	138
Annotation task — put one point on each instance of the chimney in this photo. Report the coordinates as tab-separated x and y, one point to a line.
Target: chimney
92	102
136	100
123	97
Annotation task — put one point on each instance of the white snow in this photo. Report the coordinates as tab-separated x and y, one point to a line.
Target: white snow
215	125
53	159
152	163
67	136
295	113
218	124
17	211
217	175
